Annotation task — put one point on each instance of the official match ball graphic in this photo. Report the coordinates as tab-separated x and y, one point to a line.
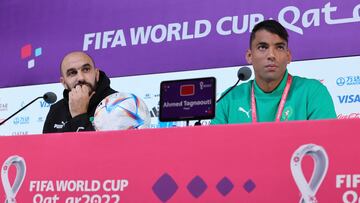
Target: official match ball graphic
121	111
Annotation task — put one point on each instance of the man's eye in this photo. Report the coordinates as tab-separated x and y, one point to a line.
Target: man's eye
262	47
86	70
281	47
72	73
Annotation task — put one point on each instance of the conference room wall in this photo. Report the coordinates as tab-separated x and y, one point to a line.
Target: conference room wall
340	75
178	35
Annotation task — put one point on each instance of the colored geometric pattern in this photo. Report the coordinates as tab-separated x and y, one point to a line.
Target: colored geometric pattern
225	186
197	186
26	52
166	187
134	115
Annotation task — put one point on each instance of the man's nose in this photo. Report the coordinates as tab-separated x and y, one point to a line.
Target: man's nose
80	76
271	54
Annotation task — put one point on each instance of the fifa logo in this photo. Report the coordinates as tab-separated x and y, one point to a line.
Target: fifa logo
321	163
11	190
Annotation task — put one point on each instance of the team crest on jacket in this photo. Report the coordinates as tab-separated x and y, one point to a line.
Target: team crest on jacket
287	113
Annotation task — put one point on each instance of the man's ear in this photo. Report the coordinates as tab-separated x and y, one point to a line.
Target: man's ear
289	56
97	74
248	56
63	82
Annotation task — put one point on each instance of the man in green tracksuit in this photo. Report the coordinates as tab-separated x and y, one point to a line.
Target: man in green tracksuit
274	95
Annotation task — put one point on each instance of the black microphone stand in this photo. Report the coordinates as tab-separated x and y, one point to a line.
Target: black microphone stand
197	123
244	73
2	122
222	96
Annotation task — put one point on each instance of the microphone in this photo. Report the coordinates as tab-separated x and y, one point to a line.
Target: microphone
243	74
49	97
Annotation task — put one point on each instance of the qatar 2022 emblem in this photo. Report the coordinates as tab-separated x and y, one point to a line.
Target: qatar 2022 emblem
12	190
321	163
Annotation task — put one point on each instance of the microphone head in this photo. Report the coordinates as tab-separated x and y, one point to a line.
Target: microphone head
50	97
244	73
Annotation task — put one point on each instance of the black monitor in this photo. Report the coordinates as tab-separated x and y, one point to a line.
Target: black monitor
189	99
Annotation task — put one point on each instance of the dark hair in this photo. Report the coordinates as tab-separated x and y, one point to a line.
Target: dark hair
271	26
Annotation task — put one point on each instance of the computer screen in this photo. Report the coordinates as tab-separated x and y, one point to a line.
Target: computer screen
189	99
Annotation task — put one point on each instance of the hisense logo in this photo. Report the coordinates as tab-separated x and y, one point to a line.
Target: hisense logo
27	54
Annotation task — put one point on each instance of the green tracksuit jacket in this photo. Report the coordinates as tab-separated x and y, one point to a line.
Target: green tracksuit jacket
307	99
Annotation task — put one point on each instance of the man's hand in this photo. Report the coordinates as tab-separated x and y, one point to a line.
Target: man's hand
79	98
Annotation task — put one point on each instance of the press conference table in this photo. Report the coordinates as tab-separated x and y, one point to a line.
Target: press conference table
266	162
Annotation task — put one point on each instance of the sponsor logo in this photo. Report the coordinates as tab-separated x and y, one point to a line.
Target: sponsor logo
20	133
348	80
3	106
147	96
154	112
44	104
27	53
23	120
340	81
348	116
40	119
60	126
348	99
241	109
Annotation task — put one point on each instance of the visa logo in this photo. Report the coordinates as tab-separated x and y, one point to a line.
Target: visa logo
352	98
44	104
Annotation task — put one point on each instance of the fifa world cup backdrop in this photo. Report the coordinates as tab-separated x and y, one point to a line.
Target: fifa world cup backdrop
143	38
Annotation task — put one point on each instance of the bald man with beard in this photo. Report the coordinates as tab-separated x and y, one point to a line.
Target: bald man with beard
85	87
